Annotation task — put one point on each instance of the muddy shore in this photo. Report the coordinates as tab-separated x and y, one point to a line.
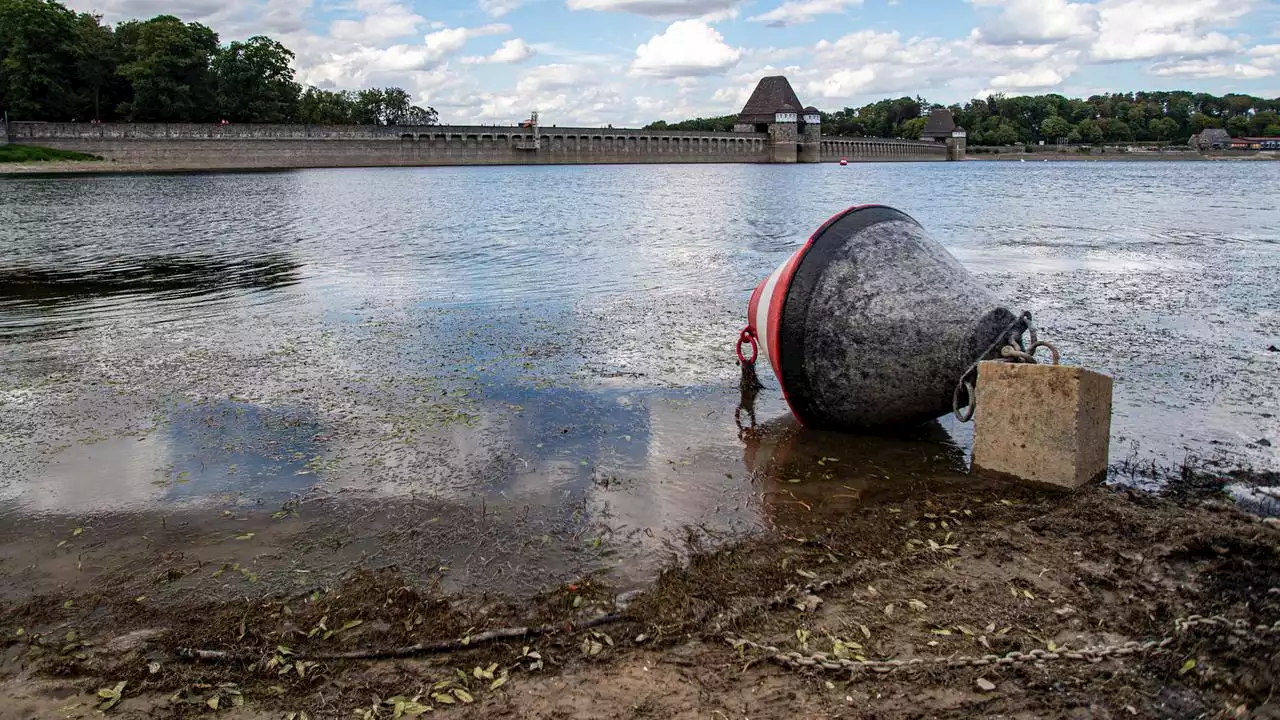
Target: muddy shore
1098	591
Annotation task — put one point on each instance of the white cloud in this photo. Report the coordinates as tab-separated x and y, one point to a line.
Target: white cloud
544	78
382	21
116	10
1155	29
664	9
234	20
1013	55
422	68
511	52
1209	69
562	93
443	43
685	48
870	62
498	8
1039	77
799	12
1037	21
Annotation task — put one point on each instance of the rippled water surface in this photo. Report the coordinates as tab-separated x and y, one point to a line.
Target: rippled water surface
536	362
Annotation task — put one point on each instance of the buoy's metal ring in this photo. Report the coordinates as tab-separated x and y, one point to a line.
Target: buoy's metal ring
748	335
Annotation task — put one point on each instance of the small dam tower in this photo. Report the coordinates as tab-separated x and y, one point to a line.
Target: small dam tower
941	128
809	149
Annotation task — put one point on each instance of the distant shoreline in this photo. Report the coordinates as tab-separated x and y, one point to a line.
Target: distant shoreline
1055	156
110	167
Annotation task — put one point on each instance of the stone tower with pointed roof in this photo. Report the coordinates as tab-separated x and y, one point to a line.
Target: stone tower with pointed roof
941	127
795	134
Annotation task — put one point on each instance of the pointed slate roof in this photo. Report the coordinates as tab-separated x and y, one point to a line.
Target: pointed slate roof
1215	136
940	124
771	95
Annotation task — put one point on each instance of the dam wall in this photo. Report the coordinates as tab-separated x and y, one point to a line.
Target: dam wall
881	150
191	146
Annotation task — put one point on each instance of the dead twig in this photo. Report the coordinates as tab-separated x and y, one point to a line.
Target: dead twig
444	646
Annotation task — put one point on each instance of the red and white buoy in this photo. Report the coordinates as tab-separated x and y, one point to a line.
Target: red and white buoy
843	161
871	323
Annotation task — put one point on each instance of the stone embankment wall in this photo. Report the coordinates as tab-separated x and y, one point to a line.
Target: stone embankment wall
196	146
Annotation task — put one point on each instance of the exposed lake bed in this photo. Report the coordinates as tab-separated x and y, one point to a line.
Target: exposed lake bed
505	382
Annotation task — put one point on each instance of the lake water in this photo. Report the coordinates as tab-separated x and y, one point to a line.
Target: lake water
536	363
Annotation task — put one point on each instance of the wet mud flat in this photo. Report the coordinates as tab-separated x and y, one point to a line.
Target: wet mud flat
1014	601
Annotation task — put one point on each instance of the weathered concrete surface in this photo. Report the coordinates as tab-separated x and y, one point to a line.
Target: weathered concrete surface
204	146
879	324
1043	423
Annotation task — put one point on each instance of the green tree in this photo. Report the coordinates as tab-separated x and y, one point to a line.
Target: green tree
1262	120
395	106
1198	122
97	55
1004	134
1271	131
1164	128
421	116
367	108
912	128
1089	131
325	107
38	59
255	82
712	124
1055	127
1118	130
1238	126
167	63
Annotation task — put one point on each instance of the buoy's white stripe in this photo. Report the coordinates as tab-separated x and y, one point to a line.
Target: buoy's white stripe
762	311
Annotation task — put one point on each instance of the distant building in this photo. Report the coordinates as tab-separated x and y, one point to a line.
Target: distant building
1211	139
1255	143
773	108
941	126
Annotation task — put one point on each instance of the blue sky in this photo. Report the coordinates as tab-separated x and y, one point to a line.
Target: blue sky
626	62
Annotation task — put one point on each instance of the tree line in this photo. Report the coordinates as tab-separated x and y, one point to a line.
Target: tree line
1001	120
59	65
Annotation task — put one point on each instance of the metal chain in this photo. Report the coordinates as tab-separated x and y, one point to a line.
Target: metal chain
1012	350
1093	654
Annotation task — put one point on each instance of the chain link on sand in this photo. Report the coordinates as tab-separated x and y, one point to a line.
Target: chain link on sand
1093	654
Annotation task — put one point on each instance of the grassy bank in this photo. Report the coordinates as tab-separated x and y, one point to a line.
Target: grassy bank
29	153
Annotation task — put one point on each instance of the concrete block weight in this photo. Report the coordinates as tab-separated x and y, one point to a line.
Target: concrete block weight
1046	424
